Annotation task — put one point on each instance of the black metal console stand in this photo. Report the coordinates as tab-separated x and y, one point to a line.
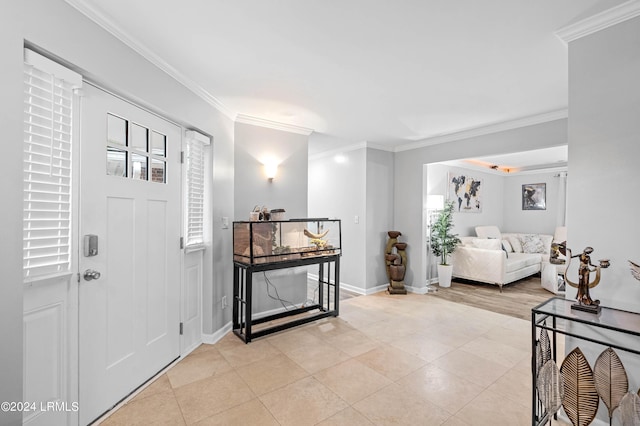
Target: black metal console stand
609	325
243	288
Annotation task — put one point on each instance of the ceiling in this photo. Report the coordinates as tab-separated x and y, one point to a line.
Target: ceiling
547	159
385	72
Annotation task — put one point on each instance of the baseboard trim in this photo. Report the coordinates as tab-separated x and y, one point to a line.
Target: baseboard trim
354	289
211	339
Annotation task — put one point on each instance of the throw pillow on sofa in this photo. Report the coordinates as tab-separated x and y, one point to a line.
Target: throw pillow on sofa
532	243
515	243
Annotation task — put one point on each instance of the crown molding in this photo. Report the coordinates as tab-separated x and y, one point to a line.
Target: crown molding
101	20
349	148
599	21
486	130
551	168
262	122
337	151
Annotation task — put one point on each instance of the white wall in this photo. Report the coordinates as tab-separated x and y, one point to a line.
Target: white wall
337	189
408	175
11	288
379	214
349	183
531	221
604	178
288	190
491	196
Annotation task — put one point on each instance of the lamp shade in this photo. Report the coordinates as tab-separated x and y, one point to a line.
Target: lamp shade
435	202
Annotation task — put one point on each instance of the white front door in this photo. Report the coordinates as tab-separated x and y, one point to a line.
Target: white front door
130	201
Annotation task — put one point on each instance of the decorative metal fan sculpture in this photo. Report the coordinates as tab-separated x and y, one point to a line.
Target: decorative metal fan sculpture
635	270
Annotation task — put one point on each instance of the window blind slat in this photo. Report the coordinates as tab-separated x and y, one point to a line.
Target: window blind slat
48	112
195	191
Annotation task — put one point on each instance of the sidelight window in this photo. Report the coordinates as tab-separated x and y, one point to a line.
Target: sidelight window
49	108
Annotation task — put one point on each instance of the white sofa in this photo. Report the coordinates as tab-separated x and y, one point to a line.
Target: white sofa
496	258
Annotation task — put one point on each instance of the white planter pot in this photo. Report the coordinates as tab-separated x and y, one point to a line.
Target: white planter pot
444	275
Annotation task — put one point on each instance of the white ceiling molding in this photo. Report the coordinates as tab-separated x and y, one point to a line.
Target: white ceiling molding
255	121
348	148
97	17
338	151
599	21
486	130
532	170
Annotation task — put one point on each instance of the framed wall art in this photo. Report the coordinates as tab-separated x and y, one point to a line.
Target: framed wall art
465	192
534	196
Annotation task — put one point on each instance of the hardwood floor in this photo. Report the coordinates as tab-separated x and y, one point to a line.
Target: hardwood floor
516	299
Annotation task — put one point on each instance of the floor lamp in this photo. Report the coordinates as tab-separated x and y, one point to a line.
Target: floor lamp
435	203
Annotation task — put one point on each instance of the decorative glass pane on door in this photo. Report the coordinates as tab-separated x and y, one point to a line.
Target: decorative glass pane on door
139	166
116	130
116	162
139	137
157	171
134	150
158	144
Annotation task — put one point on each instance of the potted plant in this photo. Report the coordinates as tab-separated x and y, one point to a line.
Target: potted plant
443	243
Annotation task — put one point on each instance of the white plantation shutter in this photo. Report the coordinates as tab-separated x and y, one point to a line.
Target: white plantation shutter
195	162
48	113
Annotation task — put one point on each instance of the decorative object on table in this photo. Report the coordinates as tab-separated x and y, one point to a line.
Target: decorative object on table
315	236
277	214
550	386
317	243
466	193
580	395
630	409
558	249
611	379
259	213
635	270
443	243
534	196
584	301
395	260
543	349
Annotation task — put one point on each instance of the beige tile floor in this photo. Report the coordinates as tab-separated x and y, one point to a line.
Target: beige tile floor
401	360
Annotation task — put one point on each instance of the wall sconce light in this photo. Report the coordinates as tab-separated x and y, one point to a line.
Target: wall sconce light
270	169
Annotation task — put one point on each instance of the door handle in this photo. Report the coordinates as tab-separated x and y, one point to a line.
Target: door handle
90	274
